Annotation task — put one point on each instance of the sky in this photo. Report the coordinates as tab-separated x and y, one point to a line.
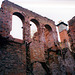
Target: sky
55	10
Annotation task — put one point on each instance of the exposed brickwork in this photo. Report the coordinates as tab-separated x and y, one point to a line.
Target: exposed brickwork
12	59
40	55
72	33
64	36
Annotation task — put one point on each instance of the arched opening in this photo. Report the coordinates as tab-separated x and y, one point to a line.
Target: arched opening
48	35
48	28
17	25
33	27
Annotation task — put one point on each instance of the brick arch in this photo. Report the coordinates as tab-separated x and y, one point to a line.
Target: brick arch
48	33
20	15
48	27
35	21
21	25
37	25
32	49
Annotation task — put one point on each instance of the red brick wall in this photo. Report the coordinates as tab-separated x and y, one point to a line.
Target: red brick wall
72	33
20	57
64	36
12	58
32	49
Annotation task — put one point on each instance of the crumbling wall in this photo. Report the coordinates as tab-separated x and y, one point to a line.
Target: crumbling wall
71	33
5	25
12	57
33	48
61	62
40	55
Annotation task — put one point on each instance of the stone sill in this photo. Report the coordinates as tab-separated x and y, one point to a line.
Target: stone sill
15	40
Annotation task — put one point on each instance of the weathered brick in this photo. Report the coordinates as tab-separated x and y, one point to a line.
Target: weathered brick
40	55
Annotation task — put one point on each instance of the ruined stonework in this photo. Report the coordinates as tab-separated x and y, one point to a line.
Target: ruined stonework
71	33
40	55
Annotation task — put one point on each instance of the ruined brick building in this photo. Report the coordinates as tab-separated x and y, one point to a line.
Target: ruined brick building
41	55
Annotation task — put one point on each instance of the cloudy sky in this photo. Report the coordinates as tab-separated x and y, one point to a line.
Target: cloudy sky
53	9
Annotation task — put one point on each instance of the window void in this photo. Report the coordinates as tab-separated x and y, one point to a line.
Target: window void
48	35
17	24
33	27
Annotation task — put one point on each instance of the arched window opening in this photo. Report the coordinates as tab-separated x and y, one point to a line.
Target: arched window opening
48	36
48	28
20	16
17	26
33	27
